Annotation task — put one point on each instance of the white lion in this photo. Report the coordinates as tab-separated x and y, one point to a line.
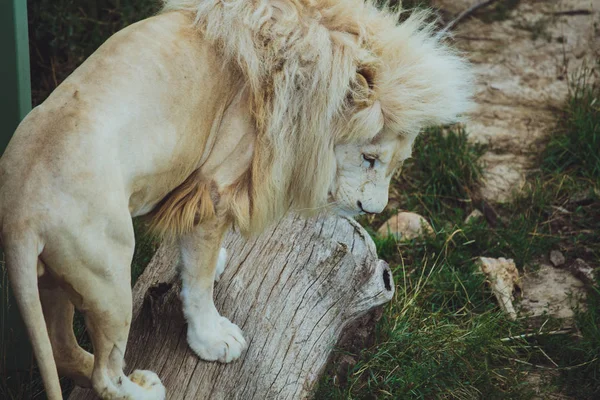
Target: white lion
213	113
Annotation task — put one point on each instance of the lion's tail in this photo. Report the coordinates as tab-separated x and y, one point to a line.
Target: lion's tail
21	261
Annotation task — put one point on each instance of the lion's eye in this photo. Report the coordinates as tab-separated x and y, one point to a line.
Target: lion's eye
369	160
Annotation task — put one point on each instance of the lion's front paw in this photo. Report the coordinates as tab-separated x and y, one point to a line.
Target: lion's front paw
217	339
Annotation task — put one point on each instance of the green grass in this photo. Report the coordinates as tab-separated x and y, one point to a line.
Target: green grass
443	336
146	245
575	150
441	184
63	33
440	337
572	161
440	181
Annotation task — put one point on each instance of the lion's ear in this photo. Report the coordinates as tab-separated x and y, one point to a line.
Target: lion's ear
368	75
362	89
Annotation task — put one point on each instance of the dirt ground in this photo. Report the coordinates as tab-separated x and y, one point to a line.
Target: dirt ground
525	55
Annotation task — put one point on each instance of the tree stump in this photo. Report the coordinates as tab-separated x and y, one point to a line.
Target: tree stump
292	291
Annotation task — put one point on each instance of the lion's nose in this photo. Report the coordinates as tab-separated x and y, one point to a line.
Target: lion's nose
360	205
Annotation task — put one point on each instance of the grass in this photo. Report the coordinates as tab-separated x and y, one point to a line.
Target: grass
145	246
63	33
572	161
575	151
440	182
443	335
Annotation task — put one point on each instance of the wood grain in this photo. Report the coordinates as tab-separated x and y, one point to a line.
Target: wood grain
292	291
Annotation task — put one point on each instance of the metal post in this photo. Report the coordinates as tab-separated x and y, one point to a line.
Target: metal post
15	96
15	103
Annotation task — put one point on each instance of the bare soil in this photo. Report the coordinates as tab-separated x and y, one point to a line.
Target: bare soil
525	53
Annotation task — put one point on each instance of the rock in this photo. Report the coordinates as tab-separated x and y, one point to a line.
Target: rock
501	181
406	226
552	291
474	216
556	258
583	271
504	280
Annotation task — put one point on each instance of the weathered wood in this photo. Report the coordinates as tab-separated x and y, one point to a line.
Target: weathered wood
292	291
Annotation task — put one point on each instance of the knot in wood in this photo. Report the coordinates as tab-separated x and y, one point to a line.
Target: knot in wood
155	299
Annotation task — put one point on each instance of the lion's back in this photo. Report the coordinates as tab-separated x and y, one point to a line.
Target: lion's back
126	112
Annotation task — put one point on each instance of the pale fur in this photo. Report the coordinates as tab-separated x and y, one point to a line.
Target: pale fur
300	59
210	114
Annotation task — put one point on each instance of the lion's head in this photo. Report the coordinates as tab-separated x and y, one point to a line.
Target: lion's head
339	91
364	171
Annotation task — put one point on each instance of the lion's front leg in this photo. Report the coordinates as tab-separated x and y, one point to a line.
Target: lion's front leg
210	335
221	261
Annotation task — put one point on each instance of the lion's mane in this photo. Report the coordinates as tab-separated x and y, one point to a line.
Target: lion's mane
300	60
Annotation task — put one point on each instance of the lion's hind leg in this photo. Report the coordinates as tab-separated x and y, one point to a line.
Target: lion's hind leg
96	270
71	360
108	317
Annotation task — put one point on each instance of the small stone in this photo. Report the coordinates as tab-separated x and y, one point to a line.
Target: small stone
501	178
504	281
475	215
406	226
556	258
583	271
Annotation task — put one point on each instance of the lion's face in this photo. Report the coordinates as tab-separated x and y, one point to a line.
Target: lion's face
364	171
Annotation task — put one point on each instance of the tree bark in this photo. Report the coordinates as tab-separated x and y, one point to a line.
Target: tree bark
292	291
